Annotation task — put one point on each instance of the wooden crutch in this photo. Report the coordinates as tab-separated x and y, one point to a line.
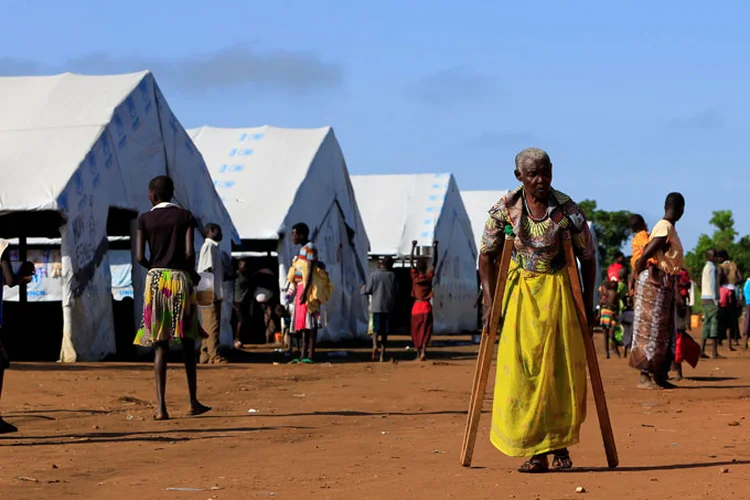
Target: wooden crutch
484	358
593	363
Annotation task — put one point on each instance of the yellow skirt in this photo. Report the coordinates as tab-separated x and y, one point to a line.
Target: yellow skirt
540	388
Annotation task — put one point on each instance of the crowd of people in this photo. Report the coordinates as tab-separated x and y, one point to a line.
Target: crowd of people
660	289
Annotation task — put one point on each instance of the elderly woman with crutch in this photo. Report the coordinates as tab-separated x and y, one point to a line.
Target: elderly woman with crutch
540	389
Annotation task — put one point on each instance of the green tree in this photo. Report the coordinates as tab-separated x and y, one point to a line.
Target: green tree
723	238
612	229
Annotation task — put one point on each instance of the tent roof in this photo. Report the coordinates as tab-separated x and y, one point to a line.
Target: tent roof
48	125
478	204
397	209
258	172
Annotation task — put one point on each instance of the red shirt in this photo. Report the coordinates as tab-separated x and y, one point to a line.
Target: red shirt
613	272
726	297
421	284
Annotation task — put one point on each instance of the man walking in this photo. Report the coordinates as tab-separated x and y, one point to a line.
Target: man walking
382	287
710	301
211	261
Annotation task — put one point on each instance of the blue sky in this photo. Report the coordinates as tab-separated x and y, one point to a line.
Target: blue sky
632	100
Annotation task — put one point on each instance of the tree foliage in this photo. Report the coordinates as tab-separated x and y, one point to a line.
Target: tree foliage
723	238
611	229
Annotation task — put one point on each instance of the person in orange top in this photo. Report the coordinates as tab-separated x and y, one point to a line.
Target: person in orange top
640	240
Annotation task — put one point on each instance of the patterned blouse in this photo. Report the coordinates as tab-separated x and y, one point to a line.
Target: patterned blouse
538	246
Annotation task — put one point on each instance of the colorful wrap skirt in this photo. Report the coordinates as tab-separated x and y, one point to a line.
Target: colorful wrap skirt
169	309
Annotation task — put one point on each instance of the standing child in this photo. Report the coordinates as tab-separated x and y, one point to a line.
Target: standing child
382	287
728	322
421	291
241	301
626	320
305	319
169	303
682	312
610	308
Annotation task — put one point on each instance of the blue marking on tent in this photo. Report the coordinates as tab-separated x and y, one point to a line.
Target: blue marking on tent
245	152
243	137
426	234
224	184
433	198
231	168
430	209
130	104
427	222
257	137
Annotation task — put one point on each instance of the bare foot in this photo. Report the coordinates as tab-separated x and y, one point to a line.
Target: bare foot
161	415
198	409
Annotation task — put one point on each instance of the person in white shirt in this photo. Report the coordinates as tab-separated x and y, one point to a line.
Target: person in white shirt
710	303
210	261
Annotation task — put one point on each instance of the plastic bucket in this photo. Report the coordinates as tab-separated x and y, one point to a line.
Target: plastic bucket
695	321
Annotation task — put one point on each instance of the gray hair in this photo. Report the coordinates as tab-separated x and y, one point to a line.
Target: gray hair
534	154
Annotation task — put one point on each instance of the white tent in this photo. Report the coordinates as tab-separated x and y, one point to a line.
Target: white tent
478	205
400	208
272	178
72	148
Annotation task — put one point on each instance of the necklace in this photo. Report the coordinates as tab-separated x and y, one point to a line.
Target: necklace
531	214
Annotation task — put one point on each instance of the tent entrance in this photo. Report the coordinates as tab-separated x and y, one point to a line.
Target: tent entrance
120	228
32	331
262	268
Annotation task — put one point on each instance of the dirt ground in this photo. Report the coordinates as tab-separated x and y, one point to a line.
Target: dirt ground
345	428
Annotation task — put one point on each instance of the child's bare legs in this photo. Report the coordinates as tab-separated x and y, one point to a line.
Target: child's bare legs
161	351
375	346
605	331
616	345
191	370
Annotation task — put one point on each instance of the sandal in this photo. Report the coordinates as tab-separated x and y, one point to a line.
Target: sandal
307	361
561	460
536	465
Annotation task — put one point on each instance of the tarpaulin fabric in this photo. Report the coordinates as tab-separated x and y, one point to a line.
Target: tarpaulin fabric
425	207
271	178
80	145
